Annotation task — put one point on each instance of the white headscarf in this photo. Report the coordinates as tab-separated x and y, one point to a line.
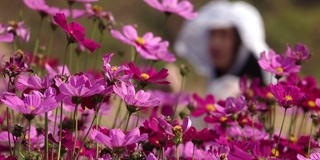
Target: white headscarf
192	42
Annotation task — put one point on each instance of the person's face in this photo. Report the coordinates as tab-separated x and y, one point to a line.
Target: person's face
222	44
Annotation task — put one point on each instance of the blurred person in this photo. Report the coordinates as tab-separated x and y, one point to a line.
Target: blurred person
224	43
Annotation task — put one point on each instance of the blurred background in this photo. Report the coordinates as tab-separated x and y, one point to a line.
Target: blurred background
286	21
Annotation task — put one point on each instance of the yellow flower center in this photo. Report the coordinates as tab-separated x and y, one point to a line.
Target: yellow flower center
223	118
145	76
311	104
140	41
210	107
293	139
245	121
223	156
114	68
32	108
270	95
279	69
13	24
20	52
288	98
250	92
275	152
97	9
177	130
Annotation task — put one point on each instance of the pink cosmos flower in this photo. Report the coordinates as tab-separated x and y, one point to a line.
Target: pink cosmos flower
175	129
148	46
6	37
183	8
278	64
313	156
76	33
150	75
300	53
34	82
117	139
287	95
43	8
31	104
17	29
114	73
79	86
206	105
133	98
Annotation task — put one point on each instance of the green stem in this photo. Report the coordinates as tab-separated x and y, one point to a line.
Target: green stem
75	129
60	132
93	33
310	139
282	124
125	129
35	50
99	53
302	122
8	126
29	142
70	60
46	137
54	129
85	137
164	24
65	58
177	152
138	118
133	54
178	99
117	114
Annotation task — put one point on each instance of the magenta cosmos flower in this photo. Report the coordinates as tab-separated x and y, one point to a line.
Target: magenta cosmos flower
148	46
183	8
287	95
133	98
31	104
206	105
76	33
300	53
278	64
150	75
16	29
117	139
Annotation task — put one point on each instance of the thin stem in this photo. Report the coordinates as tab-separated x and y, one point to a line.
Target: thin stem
35	50
54	129
75	128
302	122
29	142
8	126
138	119
133	54
46	138
125	129
310	139
178	99
282	124
177	152
85	137
60	130
70	60
65	58
164	24
99	53
117	114
93	33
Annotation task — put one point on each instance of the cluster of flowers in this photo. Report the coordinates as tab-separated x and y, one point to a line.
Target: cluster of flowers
63	115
